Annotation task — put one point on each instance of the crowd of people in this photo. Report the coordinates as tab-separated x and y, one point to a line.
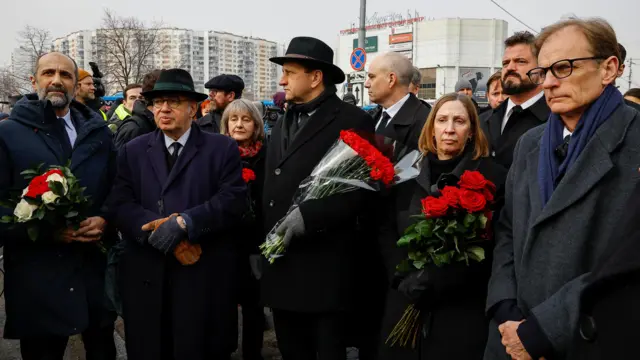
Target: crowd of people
165	173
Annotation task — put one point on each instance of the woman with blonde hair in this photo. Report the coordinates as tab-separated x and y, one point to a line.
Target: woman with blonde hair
241	120
451	297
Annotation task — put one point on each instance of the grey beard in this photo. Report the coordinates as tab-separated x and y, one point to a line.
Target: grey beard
58	102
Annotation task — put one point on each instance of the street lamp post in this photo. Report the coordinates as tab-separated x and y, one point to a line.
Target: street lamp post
363	22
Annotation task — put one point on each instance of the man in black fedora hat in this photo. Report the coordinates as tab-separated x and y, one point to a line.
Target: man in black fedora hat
223	89
178	192
311	289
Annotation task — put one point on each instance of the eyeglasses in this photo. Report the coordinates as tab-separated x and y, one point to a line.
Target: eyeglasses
560	69
174	102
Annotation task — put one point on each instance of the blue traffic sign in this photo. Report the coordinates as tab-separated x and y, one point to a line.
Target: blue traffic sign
358	59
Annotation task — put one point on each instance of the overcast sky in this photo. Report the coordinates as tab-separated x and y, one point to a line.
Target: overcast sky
283	19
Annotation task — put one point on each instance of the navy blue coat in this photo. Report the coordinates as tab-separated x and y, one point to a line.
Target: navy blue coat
53	288
206	184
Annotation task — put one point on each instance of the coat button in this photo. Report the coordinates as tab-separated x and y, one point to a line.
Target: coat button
278	171
271	203
71	290
588	330
146	283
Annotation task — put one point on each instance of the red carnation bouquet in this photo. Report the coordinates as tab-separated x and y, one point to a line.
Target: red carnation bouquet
53	197
451	228
248	175
352	163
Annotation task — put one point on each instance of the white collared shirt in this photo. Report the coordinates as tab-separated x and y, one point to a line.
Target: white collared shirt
524	105
68	126
393	110
566	132
182	140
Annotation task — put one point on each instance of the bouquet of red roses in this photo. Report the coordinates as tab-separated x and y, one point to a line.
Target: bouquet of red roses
351	163
54	197
450	228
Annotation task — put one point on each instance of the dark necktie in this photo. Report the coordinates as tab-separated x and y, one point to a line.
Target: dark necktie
174	152
64	137
516	110
384	120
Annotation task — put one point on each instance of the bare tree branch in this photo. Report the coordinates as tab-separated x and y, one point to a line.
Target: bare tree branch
129	48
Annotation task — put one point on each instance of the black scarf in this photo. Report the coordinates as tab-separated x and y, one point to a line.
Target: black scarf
290	125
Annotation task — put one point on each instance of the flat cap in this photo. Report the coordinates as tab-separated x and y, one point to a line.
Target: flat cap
226	83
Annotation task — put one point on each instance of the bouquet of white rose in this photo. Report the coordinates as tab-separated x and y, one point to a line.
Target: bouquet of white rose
54	197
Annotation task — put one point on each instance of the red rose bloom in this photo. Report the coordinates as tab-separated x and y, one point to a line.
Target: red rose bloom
488	194
37	186
472	201
248	175
434	207
452	195
472	180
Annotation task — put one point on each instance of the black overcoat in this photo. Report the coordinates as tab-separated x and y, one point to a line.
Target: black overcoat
206	184
457	326
503	142
317	272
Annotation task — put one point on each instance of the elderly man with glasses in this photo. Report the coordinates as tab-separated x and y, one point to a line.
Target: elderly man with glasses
566	190
178	194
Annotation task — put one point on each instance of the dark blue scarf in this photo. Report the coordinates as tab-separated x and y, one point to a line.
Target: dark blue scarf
550	170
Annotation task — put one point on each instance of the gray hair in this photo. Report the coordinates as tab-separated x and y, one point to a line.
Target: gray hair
243	106
398	64
416	79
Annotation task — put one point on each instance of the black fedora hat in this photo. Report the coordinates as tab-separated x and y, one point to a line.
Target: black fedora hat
311	51
174	81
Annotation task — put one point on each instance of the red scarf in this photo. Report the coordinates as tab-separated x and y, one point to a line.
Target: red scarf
250	151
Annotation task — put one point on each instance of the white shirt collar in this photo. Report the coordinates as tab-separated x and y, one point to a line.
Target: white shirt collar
182	140
526	104
393	109
566	132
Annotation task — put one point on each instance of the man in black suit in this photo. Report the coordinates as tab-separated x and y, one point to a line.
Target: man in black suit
312	288
400	115
526	107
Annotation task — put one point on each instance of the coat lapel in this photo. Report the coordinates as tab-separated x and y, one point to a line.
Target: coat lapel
325	114
424	178
400	124
157	156
190	150
53	145
591	166
495	123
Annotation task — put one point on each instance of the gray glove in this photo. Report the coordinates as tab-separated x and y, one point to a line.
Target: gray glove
414	285
167	236
293	225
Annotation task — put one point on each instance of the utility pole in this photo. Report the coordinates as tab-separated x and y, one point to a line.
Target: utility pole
363	24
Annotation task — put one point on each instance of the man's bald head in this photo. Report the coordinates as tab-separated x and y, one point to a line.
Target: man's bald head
55	79
389	78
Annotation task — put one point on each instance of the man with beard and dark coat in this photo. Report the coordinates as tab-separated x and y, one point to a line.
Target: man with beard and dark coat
141	120
223	89
176	199
54	286
526	107
312	288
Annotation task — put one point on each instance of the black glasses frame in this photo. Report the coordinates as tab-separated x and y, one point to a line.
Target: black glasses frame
544	71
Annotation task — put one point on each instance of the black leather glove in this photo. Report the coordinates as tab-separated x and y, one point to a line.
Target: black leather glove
167	236
415	285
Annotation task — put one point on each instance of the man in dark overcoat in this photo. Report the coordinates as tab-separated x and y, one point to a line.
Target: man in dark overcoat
223	89
526	107
178	194
399	119
565	193
54	286
311	288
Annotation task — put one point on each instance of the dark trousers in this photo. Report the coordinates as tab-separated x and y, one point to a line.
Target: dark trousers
253	319
304	336
98	345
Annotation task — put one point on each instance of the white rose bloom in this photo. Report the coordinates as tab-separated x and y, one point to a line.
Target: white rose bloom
25	191
60	179
49	197
24	211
